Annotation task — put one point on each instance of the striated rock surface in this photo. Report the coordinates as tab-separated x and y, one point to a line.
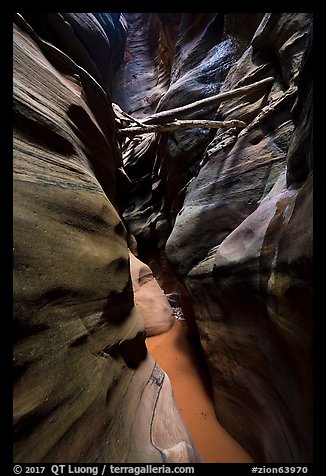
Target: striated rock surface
229	216
144	74
256	323
150	300
85	388
236	172
205	49
87	39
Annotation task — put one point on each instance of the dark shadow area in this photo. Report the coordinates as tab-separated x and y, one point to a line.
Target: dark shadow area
189	344
118	305
133	351
40	131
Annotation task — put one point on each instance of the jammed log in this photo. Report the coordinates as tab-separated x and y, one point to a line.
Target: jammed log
123	116
271	108
213	100
175	125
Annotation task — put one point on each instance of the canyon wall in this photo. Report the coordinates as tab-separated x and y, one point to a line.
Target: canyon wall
85	388
228	216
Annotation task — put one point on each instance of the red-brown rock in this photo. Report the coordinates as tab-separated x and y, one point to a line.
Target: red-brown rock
150	300
231	211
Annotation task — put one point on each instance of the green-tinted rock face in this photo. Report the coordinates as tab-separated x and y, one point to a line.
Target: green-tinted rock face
85	389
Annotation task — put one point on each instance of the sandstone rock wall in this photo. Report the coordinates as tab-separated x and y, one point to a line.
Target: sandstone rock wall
150	300
255	319
144	74
229	215
85	388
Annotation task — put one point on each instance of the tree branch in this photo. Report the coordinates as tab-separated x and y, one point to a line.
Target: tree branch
123	116
177	124
171	114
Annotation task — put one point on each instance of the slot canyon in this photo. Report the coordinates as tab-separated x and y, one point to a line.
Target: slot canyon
162	239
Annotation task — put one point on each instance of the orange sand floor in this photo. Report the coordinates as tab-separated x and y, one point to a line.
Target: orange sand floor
178	357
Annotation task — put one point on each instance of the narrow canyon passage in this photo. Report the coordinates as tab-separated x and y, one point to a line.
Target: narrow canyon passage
138	83
176	353
140	80
117	228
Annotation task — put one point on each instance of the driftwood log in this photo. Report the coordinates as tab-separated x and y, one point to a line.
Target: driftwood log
177	124
169	120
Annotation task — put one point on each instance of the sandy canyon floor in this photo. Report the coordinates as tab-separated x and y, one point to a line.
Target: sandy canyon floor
176	354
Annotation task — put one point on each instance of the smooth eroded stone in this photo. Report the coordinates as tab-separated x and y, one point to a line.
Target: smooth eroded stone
228	214
150	300
85	388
